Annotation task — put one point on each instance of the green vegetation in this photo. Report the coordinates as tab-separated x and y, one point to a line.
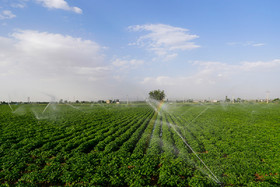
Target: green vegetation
133	145
158	95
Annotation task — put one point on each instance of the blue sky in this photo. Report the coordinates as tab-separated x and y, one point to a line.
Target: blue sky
89	50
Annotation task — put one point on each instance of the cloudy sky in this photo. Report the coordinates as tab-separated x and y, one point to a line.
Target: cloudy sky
90	50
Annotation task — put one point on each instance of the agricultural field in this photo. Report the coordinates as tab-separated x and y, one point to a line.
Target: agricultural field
140	144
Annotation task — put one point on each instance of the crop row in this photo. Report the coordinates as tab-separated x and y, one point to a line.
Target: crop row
120	145
237	143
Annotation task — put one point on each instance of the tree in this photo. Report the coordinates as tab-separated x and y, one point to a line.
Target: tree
157	95
277	100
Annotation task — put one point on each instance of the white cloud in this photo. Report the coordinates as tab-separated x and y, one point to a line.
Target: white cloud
161	80
260	65
217	79
33	61
18	5
127	63
59	4
247	43
164	39
243	66
60	50
6	14
258	44
171	56
253	44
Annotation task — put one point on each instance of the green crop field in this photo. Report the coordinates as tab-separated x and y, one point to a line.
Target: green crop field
137	145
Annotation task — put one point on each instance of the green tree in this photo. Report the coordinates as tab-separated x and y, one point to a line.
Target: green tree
157	95
277	100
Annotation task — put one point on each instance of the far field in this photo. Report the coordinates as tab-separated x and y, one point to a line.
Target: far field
140	145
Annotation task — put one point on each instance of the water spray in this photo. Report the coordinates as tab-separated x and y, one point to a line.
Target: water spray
212	176
199	115
46	108
101	105
10	107
153	102
155	109
73	107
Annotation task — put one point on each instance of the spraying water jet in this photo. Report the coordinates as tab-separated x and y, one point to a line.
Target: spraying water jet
212	176
73	107
11	107
46	108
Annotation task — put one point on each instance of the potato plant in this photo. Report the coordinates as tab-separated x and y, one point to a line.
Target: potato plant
134	145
